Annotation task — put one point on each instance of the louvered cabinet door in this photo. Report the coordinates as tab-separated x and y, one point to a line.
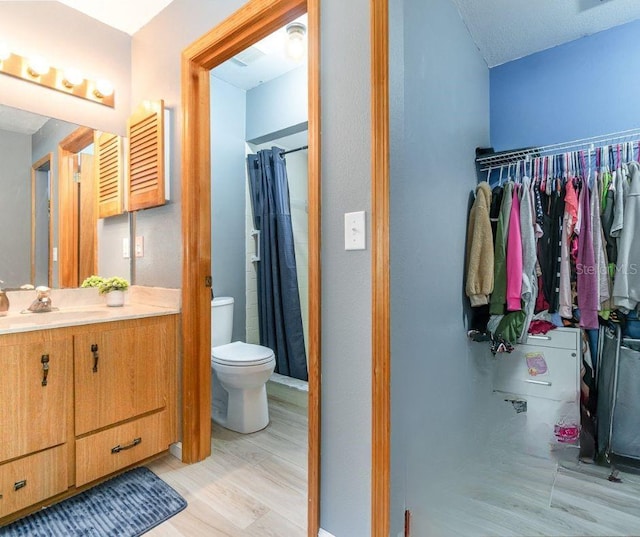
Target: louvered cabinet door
110	173
145	164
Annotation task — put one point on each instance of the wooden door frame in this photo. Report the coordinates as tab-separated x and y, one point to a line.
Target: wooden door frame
35	168
380	259
255	20
68	206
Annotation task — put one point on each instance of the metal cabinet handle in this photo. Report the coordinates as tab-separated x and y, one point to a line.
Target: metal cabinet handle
44	360
120	448
94	350
19	484
531	336
541	382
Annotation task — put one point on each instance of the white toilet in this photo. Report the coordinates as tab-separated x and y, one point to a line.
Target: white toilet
239	373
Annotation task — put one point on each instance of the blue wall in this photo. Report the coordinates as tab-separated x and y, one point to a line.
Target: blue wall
278	108
588	87
439	99
228	187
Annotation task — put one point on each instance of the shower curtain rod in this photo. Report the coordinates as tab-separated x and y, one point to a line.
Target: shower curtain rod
503	158
294	150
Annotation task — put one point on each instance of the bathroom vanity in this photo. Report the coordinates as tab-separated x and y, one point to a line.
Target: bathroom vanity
84	392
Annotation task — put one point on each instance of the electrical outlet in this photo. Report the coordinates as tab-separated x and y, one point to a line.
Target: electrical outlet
140	246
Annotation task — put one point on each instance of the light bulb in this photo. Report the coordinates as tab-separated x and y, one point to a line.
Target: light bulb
38	66
4	51
72	77
295	46
104	88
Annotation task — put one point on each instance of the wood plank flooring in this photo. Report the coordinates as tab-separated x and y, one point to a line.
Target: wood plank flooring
252	485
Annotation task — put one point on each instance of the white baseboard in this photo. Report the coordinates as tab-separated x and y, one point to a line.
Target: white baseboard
176	450
324	533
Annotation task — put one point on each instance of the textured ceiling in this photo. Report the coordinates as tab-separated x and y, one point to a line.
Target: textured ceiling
505	30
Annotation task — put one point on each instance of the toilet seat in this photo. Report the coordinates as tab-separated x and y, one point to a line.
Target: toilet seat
240	354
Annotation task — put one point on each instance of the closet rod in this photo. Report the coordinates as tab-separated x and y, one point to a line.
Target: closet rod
496	160
294	150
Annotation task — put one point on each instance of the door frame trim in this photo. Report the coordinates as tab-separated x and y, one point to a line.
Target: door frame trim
254	20
380	259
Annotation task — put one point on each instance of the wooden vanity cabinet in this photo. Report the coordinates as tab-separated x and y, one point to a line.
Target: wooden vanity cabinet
122	375
36	380
80	403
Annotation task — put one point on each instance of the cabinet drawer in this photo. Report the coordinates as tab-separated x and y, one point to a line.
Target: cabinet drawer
545	372
560	338
110	450
32	479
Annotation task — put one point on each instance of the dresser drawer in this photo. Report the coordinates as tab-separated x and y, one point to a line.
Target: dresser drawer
550	373
108	451
32	479
560	338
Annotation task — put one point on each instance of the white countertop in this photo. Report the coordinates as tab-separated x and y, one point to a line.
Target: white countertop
78	307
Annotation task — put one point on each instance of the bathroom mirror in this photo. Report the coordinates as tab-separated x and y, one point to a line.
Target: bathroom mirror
30	203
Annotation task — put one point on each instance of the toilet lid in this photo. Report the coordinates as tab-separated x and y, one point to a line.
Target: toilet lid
241	354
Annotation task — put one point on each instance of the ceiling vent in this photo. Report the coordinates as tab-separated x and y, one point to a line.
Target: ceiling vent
248	56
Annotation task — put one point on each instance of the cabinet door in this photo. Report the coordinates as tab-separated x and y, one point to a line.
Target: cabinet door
120	373
34	411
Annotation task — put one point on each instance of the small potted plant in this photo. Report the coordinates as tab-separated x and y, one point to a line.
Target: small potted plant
113	288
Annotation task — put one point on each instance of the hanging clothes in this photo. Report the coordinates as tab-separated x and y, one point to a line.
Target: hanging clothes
626	287
586	274
480	248
569	222
514	255
529	240
602	272
499	295
550	245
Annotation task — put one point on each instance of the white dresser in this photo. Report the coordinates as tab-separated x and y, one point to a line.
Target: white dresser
544	372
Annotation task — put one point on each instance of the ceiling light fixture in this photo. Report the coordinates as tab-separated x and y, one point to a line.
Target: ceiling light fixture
296	46
37	70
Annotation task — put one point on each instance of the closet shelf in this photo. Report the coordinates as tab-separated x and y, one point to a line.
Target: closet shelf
504	158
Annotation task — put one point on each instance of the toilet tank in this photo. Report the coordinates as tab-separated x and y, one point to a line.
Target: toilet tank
221	320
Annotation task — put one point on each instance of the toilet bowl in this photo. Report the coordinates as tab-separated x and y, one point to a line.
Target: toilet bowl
239	372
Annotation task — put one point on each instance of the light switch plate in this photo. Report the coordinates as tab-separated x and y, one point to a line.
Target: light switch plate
126	249
140	246
355	231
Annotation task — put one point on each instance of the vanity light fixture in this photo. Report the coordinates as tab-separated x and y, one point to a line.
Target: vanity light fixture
37	70
5	53
71	78
103	89
295	46
38	66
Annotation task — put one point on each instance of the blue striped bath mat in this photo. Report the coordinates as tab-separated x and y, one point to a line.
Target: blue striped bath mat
125	506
